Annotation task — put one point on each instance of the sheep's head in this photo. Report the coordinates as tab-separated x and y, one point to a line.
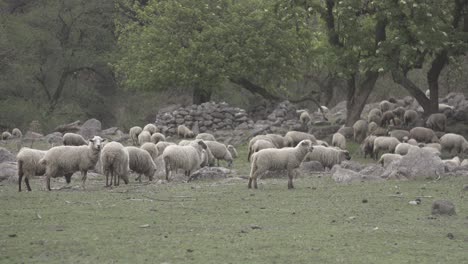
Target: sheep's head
307	144
96	142
345	154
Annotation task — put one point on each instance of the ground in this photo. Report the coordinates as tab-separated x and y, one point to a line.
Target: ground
224	222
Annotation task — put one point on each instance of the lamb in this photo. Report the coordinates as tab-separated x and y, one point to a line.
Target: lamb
386	106
162	145
72	139
375	115
403	148
156	137
115	162
388	158
399	134
233	151
205	136
220	152
259	145
425	135
292	138
144	137
151	128
188	158
328	156
304	117
278	159
367	146
68	159
134	132
386	118
454	144
141	162
338	140
28	165
437	122
6	135
409	117
185	132
386	144
360	130
151	149
16	133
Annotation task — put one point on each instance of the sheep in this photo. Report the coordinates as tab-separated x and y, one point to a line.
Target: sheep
322	143
454	162
156	137
163	145
436	122
259	145
372	127
464	163
134	132
347	132
151	128
220	152
278	140
185	132
388	158
151	149
28	165
386	144
72	139
386	106
68	159
141	162
386	118
399	112
403	148
432	150
437	146
454	144
399	134
233	151
189	158
444	107
115	162
412	142
205	136
184	142
375	115
278	159
328	156
380	131
292	138
397	122
338	140
367	146
144	137
360	130
304	118
6	135
425	135
16	133
409	117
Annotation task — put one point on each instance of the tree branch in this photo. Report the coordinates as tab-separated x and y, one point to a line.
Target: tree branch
255	89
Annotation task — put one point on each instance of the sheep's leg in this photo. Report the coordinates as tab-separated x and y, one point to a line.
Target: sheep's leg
290	180
168	170
26	180
48	182
116	178
83	178
107	178
20	179
217	161
139	178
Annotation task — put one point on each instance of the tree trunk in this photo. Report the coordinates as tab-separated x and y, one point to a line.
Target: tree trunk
433	74
406	83
201	95
255	89
358	93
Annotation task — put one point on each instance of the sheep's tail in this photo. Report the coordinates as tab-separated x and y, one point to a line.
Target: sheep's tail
253	168
250	153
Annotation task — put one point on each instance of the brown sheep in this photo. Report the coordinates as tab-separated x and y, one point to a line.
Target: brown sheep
386	118
437	122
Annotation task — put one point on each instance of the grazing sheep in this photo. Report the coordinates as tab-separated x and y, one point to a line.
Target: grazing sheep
372	127
399	134
233	151
292	138
151	149
189	158
205	136
454	144
387	117
385	144
412	142
151	128
68	159
220	152
380	131
347	132
141	162
367	146
16	133
278	159
388	158
409	117
322	143
304	117
28	165
338	140
254	140
156	137
115	163
397	122
184	142
375	115
464	162
437	146
437	122
162	145
425	135
72	139
185	132
432	150
278	140
259	145
360	130
144	137
386	106
403	148
328	156
399	112
134	132
6	135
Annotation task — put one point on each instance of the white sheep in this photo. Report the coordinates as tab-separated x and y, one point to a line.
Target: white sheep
403	148
304	117
278	159
185	132
141	162
372	127
28	165
134	132
205	136
144	137
163	145
437	122
437	146
412	141
189	158
115	163
328	156
322	143
220	152
386	106
151	149
278	140
445	107
252	142
410	117
375	115
399	134
292	138
69	159
454	162
72	139
385	144
6	135
347	132
464	162
16	133
360	130
338	140
233	151
367	146
454	144
151	128
259	145
388	158
156	137
425	135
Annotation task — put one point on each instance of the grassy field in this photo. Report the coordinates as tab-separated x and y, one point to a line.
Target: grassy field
224	222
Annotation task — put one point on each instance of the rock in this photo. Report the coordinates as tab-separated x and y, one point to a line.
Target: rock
372	172
6	155
352	165
210	173
9	172
32	135
443	207
110	131
71	127
90	128
311	166
341	175
54	139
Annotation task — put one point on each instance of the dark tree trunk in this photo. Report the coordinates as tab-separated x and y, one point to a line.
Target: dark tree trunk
414	90
201	95
433	74
358	93
255	89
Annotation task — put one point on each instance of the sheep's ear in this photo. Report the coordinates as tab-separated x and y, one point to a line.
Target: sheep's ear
201	143
91	140
305	143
